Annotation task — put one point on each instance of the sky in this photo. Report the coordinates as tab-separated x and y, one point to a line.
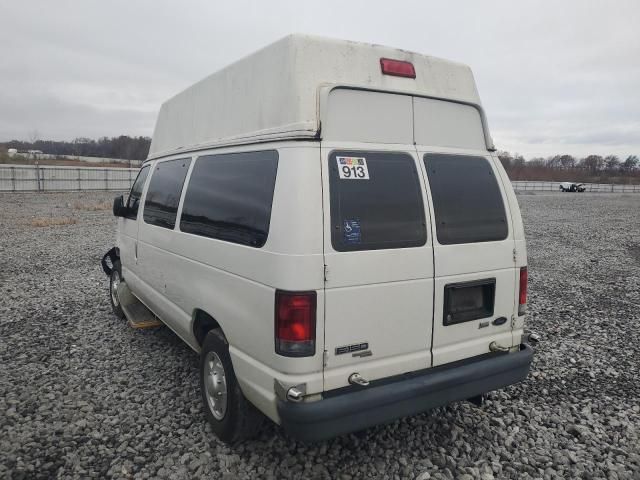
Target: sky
554	77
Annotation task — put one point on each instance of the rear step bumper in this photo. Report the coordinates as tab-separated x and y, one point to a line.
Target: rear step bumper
356	409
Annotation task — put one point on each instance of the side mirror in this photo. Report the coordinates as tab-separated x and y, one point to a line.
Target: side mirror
119	208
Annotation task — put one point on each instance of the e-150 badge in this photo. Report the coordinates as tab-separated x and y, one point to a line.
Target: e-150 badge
356	347
353	168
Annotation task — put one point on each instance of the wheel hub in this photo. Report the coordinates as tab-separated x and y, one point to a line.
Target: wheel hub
215	384
115	283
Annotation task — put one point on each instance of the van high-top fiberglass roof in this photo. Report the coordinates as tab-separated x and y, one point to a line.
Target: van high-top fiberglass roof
276	92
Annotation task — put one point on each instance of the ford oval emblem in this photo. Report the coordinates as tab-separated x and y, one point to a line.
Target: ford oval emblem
500	321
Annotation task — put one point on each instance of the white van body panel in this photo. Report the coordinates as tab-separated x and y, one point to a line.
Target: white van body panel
273	93
423	341
380	297
520	246
180	273
459	263
366	116
447	124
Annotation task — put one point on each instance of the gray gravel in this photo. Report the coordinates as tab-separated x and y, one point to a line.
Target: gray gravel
83	395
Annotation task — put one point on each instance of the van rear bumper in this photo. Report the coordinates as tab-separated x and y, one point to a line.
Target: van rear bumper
356	408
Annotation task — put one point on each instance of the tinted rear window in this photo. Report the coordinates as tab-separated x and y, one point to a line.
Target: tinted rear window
385	210
466	199
163	194
229	197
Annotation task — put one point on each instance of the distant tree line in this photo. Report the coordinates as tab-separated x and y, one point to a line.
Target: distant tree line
129	148
592	168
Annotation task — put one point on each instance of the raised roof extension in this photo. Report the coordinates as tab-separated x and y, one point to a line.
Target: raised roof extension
274	93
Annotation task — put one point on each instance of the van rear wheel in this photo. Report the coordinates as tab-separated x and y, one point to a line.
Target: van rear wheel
230	414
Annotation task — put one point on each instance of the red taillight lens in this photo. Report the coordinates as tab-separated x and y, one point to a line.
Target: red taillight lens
397	68
295	323
522	298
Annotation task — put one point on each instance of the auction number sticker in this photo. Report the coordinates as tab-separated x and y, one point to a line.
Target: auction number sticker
353	168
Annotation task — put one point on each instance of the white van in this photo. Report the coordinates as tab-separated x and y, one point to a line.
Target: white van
328	225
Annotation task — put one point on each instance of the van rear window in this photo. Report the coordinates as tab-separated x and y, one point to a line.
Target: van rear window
467	201
376	201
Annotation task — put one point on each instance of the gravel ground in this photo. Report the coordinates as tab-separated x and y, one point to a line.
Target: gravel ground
82	395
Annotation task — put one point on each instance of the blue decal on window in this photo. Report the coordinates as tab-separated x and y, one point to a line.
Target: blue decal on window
351	231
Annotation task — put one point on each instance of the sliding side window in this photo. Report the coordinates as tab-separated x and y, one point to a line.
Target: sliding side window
229	197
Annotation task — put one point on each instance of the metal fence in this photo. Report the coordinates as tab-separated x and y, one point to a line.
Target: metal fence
590	187
49	178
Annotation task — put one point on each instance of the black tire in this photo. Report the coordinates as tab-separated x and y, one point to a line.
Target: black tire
240	420
113	298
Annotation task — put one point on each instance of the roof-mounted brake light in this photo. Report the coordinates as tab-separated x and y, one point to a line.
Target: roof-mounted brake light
398	68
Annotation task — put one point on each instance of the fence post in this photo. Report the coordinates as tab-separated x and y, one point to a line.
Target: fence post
38	175
13	178
79	182
106	179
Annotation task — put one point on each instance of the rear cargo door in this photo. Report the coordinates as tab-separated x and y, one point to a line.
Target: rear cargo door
378	246
475	281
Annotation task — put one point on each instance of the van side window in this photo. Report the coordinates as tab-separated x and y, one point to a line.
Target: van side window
385	210
163	195
133	202
229	197
467	201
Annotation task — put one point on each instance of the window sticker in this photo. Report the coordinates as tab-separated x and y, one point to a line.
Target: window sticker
352	231
353	168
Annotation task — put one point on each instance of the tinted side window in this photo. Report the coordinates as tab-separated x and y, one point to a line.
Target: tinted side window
385	210
163	194
133	202
229	197
466	199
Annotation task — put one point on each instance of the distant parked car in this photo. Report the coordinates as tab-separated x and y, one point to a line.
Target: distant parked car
572	187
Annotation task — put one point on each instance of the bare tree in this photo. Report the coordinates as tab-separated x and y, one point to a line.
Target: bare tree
505	158
612	162
518	161
594	163
553	162
630	163
567	161
536	162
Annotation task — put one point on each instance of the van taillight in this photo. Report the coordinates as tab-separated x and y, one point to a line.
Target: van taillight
295	323
524	280
397	68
